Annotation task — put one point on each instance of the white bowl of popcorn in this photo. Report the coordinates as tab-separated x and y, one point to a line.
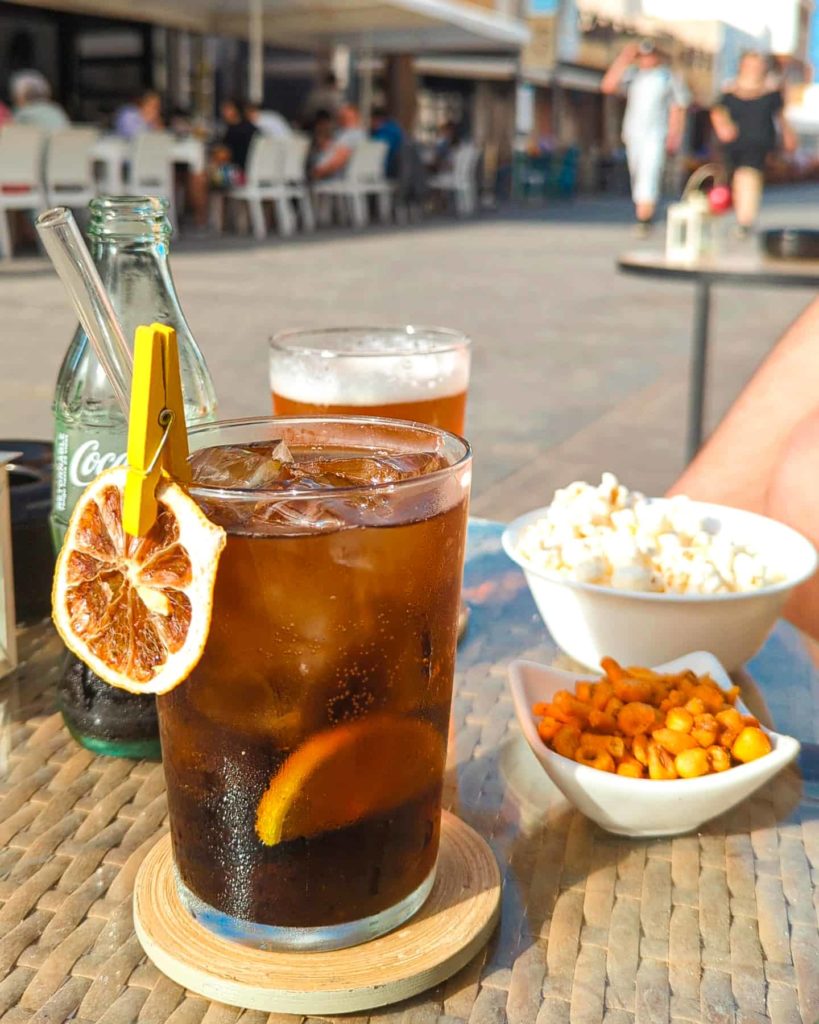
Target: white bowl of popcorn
645	580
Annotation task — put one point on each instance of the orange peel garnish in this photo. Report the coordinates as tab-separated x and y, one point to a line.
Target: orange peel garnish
353	771
136	610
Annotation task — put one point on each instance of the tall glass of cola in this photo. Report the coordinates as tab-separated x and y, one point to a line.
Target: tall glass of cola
305	754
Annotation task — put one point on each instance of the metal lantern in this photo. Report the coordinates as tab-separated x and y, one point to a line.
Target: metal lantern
692	228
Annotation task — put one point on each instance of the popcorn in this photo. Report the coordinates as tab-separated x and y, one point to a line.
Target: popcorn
618	538
592	570
635	577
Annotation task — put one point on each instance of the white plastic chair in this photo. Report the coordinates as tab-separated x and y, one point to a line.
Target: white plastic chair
21	169
152	168
363	176
374	176
264	180
461	181
295	161
69	167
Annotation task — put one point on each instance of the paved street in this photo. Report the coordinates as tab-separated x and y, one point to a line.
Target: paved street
576	369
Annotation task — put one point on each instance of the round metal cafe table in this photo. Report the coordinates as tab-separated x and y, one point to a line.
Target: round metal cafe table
749	269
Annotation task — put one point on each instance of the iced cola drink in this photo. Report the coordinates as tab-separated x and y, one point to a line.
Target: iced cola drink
406	373
304	756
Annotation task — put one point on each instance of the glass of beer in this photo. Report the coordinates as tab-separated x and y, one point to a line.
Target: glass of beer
304	756
406	373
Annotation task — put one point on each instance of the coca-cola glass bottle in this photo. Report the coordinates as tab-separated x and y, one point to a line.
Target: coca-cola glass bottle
129	239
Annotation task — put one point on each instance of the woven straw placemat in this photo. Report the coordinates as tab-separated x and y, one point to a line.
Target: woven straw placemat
717	927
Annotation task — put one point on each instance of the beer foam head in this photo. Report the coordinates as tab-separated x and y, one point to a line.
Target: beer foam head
380	370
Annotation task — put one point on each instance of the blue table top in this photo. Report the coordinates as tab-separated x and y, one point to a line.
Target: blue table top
505	624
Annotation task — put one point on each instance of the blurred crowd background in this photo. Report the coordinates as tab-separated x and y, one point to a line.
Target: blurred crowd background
522	79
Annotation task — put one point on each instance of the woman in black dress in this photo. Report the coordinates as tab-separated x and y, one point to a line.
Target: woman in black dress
747	119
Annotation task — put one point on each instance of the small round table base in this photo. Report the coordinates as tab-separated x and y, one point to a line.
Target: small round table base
451	927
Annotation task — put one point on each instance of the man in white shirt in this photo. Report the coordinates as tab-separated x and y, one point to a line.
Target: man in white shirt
654	122
269	122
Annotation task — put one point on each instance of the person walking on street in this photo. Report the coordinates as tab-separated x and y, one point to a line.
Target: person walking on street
654	121
746	119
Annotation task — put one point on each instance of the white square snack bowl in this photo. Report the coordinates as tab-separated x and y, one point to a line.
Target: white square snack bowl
589	621
641	807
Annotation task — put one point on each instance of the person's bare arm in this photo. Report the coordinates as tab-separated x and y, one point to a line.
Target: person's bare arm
678	108
615	74
764	456
737	464
724	127
336	163
676	127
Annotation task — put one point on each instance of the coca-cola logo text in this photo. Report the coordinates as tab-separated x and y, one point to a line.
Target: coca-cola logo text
87	463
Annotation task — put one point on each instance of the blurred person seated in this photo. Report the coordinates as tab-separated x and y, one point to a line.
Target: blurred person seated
386	128
444	147
332	160
269	122
183	124
229	157
322	131
143	115
33	103
764	455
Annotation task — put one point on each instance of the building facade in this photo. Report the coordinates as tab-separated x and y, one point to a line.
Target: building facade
573	42
98	53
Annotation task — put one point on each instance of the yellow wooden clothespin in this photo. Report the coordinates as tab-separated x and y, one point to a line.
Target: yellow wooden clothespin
157	437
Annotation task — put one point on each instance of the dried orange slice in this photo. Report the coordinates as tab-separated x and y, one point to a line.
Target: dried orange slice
136	610
351	772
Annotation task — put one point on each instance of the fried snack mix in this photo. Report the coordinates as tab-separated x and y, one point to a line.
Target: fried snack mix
644	724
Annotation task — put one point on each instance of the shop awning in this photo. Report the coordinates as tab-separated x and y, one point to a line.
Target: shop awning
375	26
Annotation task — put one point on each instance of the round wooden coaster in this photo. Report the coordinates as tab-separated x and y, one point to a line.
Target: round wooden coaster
444	935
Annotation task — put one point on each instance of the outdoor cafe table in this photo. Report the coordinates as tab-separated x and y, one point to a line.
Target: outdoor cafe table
719	926
111	153
750	269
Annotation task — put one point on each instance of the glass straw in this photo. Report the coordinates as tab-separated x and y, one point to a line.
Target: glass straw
72	261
